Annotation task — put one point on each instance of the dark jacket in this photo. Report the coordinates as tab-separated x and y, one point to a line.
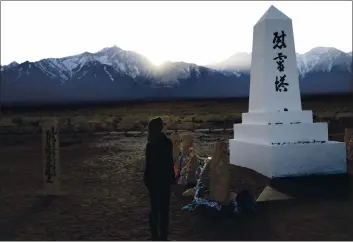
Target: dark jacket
159	170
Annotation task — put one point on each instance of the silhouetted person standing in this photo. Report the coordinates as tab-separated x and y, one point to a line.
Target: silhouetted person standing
159	176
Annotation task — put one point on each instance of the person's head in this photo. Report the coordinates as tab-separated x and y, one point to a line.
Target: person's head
155	127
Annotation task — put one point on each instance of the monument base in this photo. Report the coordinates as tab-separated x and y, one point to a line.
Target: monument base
271	194
289	160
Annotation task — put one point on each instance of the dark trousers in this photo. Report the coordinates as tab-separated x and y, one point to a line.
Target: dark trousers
159	216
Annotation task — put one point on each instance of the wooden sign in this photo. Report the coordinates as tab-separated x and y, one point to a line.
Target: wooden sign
348	139
348	135
51	159
175	138
188	142
220	176
192	179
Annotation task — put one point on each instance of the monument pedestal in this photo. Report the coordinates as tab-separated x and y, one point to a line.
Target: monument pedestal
283	144
289	160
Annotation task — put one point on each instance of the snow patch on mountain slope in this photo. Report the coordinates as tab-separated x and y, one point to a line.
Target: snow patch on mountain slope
83	74
171	72
238	62
53	68
108	73
231	73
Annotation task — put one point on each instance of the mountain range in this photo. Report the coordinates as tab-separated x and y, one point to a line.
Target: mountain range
113	74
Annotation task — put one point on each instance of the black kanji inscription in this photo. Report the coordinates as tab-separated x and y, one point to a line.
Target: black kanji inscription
278	40
281	84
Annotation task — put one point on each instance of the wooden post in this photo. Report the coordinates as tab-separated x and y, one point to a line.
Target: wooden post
51	158
348	135
348	139
1	116
192	179
187	143
69	126
176	147
220	176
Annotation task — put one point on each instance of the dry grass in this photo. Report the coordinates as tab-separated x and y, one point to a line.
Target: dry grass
179	115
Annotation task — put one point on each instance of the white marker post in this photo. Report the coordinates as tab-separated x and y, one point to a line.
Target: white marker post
276	137
51	159
274	82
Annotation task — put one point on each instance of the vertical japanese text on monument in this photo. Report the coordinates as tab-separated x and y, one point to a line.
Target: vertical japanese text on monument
279	43
50	154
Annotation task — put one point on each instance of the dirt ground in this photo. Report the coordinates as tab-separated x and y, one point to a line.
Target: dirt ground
104	199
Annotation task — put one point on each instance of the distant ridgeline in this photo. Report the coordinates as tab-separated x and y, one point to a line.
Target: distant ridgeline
116	75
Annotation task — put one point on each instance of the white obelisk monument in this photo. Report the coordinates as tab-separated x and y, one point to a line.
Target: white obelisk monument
276	137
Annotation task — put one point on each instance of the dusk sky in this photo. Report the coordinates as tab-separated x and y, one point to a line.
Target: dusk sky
195	32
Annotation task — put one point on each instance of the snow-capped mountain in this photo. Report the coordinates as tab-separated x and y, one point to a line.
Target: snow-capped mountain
239	62
127	62
323	59
321	70
317	59
9	66
116	74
